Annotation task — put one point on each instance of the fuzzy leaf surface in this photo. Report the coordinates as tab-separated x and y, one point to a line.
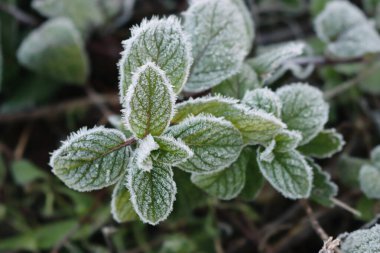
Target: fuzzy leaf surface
288	173
324	145
152	193
369	178
225	184
55	50
171	151
323	188
149	103
287	140
303	109
161	41
217	31
91	159
263	99
255	126
215	142
362	241
237	85
121	205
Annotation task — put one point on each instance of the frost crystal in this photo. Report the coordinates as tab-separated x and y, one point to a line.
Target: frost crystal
363	241
91	159
216	143
149	103
287	140
219	44
303	109
152	193
142	154
172	151
263	99
161	41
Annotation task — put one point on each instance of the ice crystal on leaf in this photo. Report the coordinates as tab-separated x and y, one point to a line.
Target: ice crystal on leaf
171	151
91	159
142	156
369	179
287	140
263	99
362	241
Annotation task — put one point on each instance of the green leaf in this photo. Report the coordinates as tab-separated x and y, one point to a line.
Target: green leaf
215	142
287	140
255	126
91	159
25	172
248	21
171	151
303	109
362	241
254	180
220	41
263	99
369	179
149	102
270	61
121	205
55	50
237	85
225	184
323	188
161	41
85	14
152	193
142	156
324	145
288	173
375	156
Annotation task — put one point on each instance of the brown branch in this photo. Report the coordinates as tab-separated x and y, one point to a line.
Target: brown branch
19	15
314	222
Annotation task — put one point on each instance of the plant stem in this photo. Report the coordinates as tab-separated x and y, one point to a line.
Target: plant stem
346	207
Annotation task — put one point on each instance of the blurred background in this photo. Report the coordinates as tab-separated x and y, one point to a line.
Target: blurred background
44	98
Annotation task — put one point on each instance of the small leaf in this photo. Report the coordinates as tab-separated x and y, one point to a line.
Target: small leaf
362	241
375	156
255	126
161	41
91	159
263	99
216	143
225	184
237	85
171	151
267	155
323	188
369	179
269	61
149	103
152	193
288	173
287	140
220	41
85	14
121	205
55	50
142	156
254	180
324	145
303	109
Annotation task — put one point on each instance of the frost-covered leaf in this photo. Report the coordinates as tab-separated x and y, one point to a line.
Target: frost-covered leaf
254	180
248	21
142	155
263	99
161	41
375	156
287	140
91	159
225	184
121	205
220	41
362	241
269	61
324	145
237	85
255	126
268	155
215	142
323	188
369	179
55	50
85	14
288	173
149	103
171	151
303	109
152	193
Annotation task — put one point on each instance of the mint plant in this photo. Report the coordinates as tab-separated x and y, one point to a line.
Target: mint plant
228	142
